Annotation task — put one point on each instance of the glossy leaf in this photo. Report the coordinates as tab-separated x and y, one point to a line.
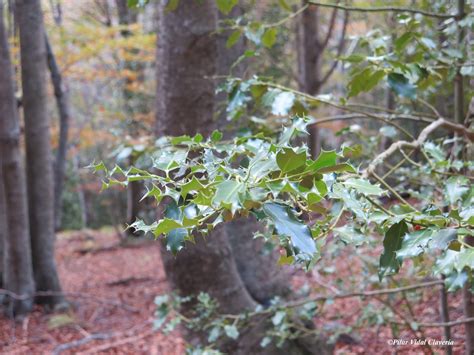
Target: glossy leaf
389	264
286	224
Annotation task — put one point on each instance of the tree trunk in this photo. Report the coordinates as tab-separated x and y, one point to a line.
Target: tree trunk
309	64
186	105
17	267
64	110
38	150
187	59
257	266
186	56
3	230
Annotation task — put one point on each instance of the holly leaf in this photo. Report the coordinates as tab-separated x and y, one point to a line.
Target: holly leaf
324	160
415	243
227	194
455	188
364	186
365	81
389	264
176	237
286	224
289	160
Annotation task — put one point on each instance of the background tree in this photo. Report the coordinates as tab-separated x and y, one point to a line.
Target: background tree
38	150
312	45
127	17
16	257
61	94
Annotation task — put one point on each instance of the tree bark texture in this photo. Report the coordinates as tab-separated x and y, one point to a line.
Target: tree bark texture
309	55
17	264
61	94
186	54
40	176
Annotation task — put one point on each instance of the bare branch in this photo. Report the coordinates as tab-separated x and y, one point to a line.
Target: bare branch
332	22
394	116
383	9
366	293
417	143
71	295
103	336
442	324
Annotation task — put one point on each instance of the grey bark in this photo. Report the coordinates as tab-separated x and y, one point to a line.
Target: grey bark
61	94
3	223
16	258
186	55
40	176
257	266
309	64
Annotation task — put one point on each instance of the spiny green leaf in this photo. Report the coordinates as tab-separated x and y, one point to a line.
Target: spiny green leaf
456	187
192	185
389	264
401	42
286	224
465	259
324	160
350	236
414	244
289	160
165	226
363	186
176	236
227	194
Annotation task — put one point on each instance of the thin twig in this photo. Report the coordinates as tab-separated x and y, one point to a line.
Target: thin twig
70	295
364	293
394	116
383	9
393	191
340	48
417	143
100	336
443	324
333	104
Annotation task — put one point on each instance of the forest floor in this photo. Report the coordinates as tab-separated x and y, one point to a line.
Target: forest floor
112	291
